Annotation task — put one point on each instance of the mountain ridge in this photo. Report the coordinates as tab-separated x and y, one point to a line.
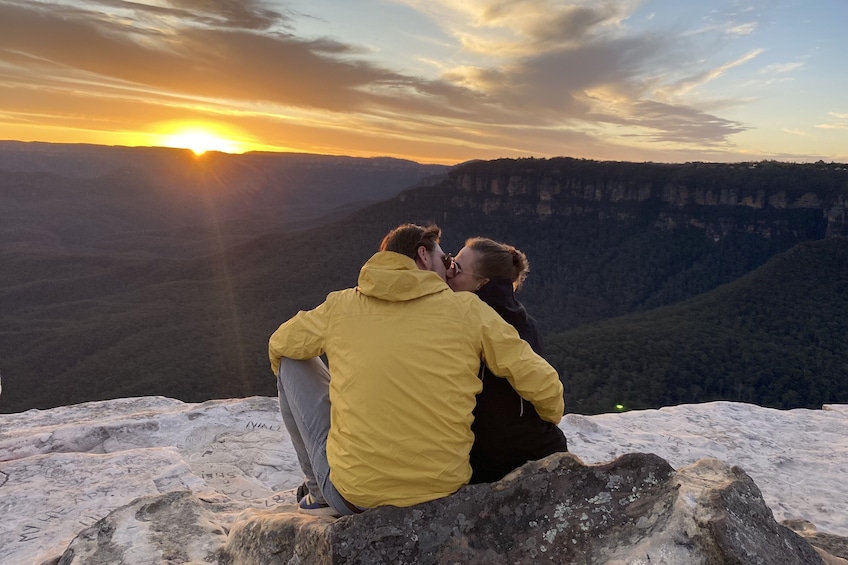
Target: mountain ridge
84	196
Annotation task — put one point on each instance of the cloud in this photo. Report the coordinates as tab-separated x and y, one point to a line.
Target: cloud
245	14
797	132
75	46
680	124
546	71
546	23
237	14
781	68
494	28
836	125
572	61
692	82
741	29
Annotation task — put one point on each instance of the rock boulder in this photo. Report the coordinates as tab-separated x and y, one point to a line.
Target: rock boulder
635	510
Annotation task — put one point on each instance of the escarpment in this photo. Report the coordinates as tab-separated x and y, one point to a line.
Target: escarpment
767	198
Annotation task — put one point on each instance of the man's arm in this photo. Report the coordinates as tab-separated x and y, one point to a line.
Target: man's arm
301	337
533	378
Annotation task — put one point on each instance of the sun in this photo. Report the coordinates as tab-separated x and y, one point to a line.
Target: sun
201	138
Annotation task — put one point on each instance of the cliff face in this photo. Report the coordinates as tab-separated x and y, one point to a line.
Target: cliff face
767	199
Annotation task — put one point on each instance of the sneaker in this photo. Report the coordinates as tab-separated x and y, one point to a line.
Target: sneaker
302	490
308	505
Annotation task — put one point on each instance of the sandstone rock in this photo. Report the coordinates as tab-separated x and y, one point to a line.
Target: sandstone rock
74	480
177	527
62	470
635	509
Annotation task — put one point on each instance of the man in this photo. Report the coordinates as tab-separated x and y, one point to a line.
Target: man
390	422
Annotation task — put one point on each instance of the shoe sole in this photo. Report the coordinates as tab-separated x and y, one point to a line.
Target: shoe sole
326	512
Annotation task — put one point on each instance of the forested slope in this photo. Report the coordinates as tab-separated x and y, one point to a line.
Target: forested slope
777	337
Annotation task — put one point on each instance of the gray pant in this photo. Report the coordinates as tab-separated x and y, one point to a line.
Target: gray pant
304	392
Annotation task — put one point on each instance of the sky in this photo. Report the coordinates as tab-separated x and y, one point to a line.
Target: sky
436	81
68	467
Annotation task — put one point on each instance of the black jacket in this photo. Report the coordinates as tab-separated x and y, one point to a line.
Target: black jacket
507	430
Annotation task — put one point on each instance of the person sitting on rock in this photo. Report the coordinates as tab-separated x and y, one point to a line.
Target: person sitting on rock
389	423
508	432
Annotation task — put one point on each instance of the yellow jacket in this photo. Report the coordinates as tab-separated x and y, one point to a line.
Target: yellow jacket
404	351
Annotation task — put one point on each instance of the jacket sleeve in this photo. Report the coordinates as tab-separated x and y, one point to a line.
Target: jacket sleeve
301	337
508	356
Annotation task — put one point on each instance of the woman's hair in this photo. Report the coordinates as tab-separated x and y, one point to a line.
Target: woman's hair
407	238
499	261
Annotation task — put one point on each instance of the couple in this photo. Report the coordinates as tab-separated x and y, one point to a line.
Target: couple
390	422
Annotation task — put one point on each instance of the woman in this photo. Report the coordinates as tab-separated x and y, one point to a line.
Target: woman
507	430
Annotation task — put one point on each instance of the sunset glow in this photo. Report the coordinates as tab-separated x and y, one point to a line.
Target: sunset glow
442	81
200	139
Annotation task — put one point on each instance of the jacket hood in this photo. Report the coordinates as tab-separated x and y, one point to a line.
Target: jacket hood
498	294
391	276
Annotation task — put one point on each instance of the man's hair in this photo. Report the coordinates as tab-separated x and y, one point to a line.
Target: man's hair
497	260
406	239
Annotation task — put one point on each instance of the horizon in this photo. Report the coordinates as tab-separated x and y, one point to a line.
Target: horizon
626	80
200	154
